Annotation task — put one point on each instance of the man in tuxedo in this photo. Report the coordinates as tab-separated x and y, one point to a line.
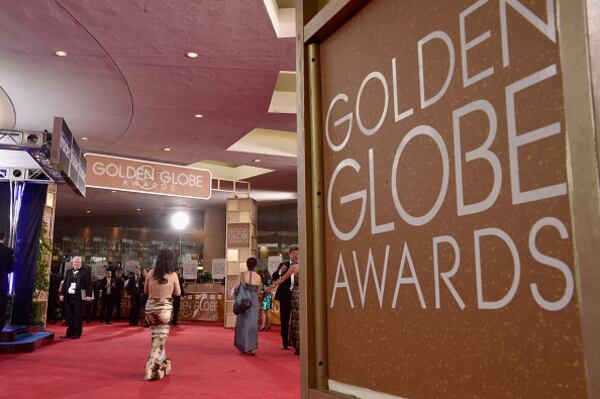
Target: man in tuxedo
107	287
118	295
7	263
283	295
135	288
76	288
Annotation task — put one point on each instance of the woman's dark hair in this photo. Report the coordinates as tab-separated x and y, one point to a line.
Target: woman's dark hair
164	265
251	263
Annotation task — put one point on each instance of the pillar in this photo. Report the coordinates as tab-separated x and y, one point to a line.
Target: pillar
214	236
241	244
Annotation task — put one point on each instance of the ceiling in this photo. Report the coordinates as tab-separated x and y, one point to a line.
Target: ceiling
127	86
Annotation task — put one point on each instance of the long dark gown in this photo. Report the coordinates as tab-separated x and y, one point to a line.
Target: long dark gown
246	324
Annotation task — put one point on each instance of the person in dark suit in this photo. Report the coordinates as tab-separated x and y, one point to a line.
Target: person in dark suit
283	295
118	295
135	289
107	287
7	264
76	288
89	312
53	292
144	296
177	299
96	300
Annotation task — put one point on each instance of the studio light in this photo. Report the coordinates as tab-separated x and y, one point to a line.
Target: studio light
180	220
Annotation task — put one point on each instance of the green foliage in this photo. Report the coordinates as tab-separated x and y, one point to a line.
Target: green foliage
37	312
41	283
204	277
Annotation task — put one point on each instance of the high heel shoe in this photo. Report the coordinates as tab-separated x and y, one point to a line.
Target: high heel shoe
262	329
268	328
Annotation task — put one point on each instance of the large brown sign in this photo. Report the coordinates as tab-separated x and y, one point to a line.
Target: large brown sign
116	173
448	229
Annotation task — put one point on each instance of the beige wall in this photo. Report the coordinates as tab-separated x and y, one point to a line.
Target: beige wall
214	236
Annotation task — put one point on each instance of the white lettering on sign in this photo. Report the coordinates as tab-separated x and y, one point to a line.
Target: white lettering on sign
65	146
190	269
347	111
151	177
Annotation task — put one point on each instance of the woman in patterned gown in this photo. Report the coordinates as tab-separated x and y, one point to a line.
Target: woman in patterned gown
161	284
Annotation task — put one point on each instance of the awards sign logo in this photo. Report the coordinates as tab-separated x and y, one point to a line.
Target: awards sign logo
116	173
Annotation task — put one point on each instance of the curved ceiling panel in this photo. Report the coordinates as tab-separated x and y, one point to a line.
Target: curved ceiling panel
7	111
85	87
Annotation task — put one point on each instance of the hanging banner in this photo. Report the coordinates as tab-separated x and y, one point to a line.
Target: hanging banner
190	269
273	263
125	174
219	266
129	266
447	215
99	269
66	156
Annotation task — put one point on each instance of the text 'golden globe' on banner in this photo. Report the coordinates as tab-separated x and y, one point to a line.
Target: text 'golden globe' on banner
125	174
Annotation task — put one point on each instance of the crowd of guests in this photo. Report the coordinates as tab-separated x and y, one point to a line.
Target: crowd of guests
105	298
158	291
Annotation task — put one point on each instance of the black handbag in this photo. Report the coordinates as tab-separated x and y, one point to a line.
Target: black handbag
242	297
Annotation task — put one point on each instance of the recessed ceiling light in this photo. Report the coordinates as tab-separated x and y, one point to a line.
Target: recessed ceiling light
191	54
257	160
167	149
84	139
60	53
198	116
113	191
88	211
138	209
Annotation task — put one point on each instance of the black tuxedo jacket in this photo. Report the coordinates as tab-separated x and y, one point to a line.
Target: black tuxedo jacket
132	289
113	288
119	283
7	264
283	290
83	281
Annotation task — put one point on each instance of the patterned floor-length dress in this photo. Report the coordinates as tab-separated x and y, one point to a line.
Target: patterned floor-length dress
158	316
295	315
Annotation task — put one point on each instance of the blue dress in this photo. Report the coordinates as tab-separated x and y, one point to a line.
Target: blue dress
246	324
267	300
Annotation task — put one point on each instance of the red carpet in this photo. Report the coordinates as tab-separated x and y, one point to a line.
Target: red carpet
108	362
